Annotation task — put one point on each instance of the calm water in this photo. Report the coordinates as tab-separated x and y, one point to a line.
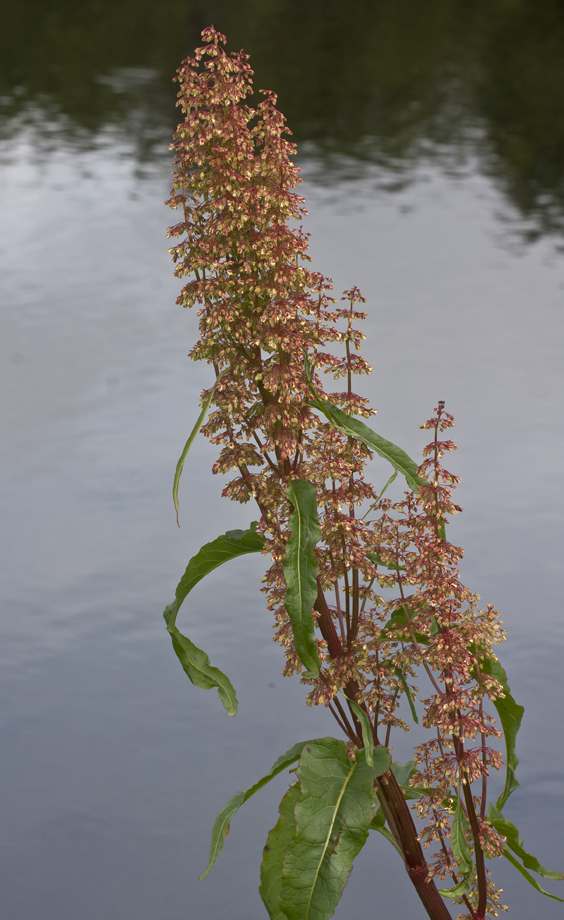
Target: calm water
434	185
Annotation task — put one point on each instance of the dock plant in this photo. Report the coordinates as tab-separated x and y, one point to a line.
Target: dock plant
365	592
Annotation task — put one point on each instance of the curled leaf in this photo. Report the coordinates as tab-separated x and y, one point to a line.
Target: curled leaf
197	665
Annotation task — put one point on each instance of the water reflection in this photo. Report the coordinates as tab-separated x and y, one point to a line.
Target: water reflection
388	83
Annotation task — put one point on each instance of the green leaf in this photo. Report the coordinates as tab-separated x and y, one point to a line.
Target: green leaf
333	814
366	729
399	673
195	662
510	715
197	665
378	823
377	560
228	546
460	849
532	881
399	618
190	441
507	829
222	822
300	570
274	852
354	428
403	771
457	891
388	484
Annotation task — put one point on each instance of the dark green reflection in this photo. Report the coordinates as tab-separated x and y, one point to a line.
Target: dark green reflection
383	81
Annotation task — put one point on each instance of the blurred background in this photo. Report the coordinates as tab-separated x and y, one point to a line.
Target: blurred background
431	142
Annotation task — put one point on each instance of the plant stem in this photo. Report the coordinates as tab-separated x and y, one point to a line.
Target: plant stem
399	817
397	811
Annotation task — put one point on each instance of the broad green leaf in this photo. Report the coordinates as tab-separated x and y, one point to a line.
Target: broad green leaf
460	849
399	673
300	570
274	852
228	546
221	823
510	715
333	814
457	891
403	771
354	428
378	823
532	881
507	829
197	665
189	442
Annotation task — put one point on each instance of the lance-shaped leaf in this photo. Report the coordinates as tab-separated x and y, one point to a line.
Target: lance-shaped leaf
190	441
461	852
222	822
195	662
228	546
197	665
366	729
531	880
274	852
378	823
300	570
354	428
399	674
460	849
458	890
510	715
507	829
333	814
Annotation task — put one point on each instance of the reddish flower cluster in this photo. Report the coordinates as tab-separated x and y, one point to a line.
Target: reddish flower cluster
260	308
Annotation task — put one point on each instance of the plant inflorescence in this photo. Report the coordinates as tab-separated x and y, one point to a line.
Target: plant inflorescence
365	591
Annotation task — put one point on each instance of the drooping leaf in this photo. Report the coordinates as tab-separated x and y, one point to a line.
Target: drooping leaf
526	875
354	428
300	570
460	849
378	823
399	673
222	822
274	852
228	546
507	829
510	715
333	814
197	665
189	442
195	662
457	891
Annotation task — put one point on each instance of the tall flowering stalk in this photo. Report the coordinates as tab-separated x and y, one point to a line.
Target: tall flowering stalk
365	592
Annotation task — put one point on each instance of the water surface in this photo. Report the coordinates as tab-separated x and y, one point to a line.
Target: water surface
113	765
